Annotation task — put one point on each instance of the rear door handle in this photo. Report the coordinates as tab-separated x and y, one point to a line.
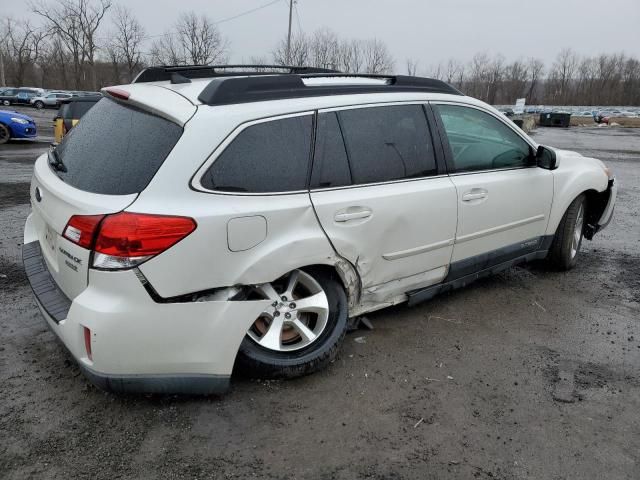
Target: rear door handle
352	213
475	194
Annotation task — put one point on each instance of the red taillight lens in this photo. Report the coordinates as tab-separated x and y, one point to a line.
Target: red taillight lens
140	235
80	229
124	240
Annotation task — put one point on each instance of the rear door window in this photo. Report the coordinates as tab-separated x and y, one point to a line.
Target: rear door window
271	156
330	162
116	149
387	143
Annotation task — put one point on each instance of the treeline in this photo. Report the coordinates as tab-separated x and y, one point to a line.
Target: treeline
87	44
605	79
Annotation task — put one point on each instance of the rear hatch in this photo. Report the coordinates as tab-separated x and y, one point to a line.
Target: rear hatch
98	168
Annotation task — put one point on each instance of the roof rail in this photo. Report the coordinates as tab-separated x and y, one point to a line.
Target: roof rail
226	91
174	72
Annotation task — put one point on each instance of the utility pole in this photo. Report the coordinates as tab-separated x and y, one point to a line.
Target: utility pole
289	34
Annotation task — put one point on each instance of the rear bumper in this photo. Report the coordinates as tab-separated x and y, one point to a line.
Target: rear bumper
138	345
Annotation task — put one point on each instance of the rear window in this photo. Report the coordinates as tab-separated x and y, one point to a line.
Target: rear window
116	149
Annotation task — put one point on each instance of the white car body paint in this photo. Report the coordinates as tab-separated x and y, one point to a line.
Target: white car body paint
383	239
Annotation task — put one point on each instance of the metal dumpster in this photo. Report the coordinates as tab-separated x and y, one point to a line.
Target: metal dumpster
555	119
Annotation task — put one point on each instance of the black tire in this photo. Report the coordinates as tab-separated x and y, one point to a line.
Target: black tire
39	105
257	362
6	103
563	254
5	134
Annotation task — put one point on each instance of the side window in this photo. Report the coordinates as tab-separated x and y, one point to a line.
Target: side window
271	156
387	143
481	142
330	163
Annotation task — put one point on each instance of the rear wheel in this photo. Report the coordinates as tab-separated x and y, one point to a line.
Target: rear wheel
5	134
563	253
6	103
301	331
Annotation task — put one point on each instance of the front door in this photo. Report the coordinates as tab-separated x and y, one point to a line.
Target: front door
503	198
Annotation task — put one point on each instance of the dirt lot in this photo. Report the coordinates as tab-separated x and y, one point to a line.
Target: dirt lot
528	374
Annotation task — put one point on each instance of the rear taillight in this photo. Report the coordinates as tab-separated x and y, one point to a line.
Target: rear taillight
124	240
81	229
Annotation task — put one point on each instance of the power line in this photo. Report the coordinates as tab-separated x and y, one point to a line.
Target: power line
247	12
227	19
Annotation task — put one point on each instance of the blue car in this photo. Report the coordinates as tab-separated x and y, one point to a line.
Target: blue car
16	125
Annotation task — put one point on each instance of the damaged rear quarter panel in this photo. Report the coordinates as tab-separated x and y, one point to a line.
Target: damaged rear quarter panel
202	261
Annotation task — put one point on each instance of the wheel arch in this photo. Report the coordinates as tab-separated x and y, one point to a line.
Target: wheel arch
589	180
346	273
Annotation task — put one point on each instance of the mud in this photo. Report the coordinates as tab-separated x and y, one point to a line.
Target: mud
528	374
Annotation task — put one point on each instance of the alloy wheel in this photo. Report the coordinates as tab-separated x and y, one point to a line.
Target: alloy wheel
297	315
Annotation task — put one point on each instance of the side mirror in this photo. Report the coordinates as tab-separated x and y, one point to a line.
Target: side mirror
546	158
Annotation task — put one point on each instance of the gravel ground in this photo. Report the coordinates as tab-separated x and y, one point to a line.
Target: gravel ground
527	374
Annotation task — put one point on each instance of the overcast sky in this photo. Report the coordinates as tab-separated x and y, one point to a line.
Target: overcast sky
425	30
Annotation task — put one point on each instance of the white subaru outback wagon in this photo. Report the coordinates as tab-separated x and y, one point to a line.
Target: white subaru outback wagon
203	218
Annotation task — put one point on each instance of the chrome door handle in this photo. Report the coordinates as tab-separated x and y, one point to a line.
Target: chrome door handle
475	194
352	214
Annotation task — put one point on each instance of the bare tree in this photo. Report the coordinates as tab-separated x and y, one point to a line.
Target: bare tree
166	51
350	56
412	67
126	46
298	55
515	80
22	44
200	39
494	78
376	57
195	39
535	70
562	74
454	72
78	22
324	49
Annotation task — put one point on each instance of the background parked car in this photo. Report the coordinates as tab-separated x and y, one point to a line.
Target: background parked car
53	99
70	113
15	125
18	96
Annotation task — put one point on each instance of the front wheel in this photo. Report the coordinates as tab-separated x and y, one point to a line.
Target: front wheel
301	330
39	105
563	253
6	103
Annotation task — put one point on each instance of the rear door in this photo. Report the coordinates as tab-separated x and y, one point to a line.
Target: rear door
380	198
503	198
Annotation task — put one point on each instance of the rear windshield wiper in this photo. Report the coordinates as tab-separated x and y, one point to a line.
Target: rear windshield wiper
56	162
